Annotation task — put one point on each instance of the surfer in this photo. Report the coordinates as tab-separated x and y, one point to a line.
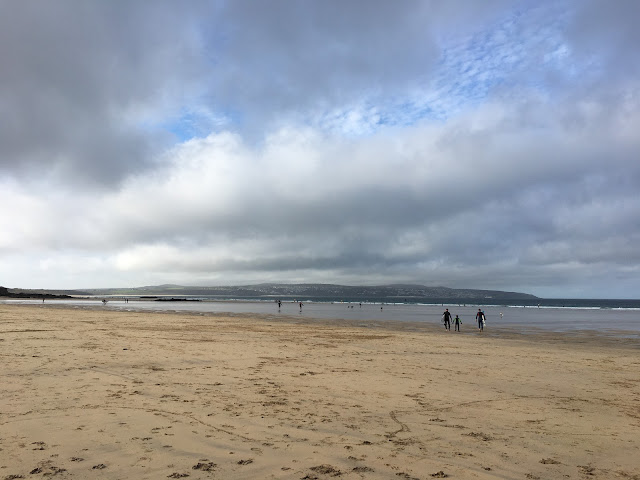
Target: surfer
480	319
446	318
457	323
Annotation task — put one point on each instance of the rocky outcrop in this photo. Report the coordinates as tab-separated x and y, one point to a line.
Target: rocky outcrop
5	292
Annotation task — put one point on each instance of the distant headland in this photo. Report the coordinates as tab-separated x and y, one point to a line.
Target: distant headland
21	293
319	291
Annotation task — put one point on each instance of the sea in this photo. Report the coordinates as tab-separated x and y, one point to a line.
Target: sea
613	318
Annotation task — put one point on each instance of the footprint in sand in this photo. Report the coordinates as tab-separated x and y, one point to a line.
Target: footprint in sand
327	470
406	476
586	469
482	436
205	467
362	469
439	474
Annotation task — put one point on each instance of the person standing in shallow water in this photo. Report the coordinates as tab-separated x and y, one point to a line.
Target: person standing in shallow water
480	319
446	317
457	323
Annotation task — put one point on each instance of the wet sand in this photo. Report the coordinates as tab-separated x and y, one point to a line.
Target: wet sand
89	393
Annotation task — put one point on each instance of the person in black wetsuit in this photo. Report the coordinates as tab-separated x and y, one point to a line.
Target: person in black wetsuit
480	319
457	323
446	317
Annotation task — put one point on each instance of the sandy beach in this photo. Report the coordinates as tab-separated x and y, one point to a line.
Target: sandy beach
99	394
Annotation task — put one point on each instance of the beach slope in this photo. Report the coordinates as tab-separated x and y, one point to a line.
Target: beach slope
90	393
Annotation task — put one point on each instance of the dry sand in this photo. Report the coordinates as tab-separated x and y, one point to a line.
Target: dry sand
119	395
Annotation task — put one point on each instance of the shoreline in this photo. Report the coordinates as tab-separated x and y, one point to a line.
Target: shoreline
605	304
618	338
96	393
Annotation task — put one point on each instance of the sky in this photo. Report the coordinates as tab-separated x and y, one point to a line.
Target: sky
489	145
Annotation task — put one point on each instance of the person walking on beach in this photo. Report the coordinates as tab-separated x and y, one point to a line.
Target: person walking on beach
300	306
446	318
480	319
457	323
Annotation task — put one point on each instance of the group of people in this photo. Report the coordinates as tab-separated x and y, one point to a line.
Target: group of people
279	302
447	318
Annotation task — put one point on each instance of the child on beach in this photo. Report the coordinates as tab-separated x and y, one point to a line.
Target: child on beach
457	323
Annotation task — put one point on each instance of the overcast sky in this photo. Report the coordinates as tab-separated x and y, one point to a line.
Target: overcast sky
466	144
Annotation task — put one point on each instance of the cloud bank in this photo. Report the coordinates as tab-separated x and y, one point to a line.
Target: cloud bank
440	143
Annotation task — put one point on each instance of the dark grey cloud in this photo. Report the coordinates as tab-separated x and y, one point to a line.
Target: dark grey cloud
308	52
605	34
78	76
